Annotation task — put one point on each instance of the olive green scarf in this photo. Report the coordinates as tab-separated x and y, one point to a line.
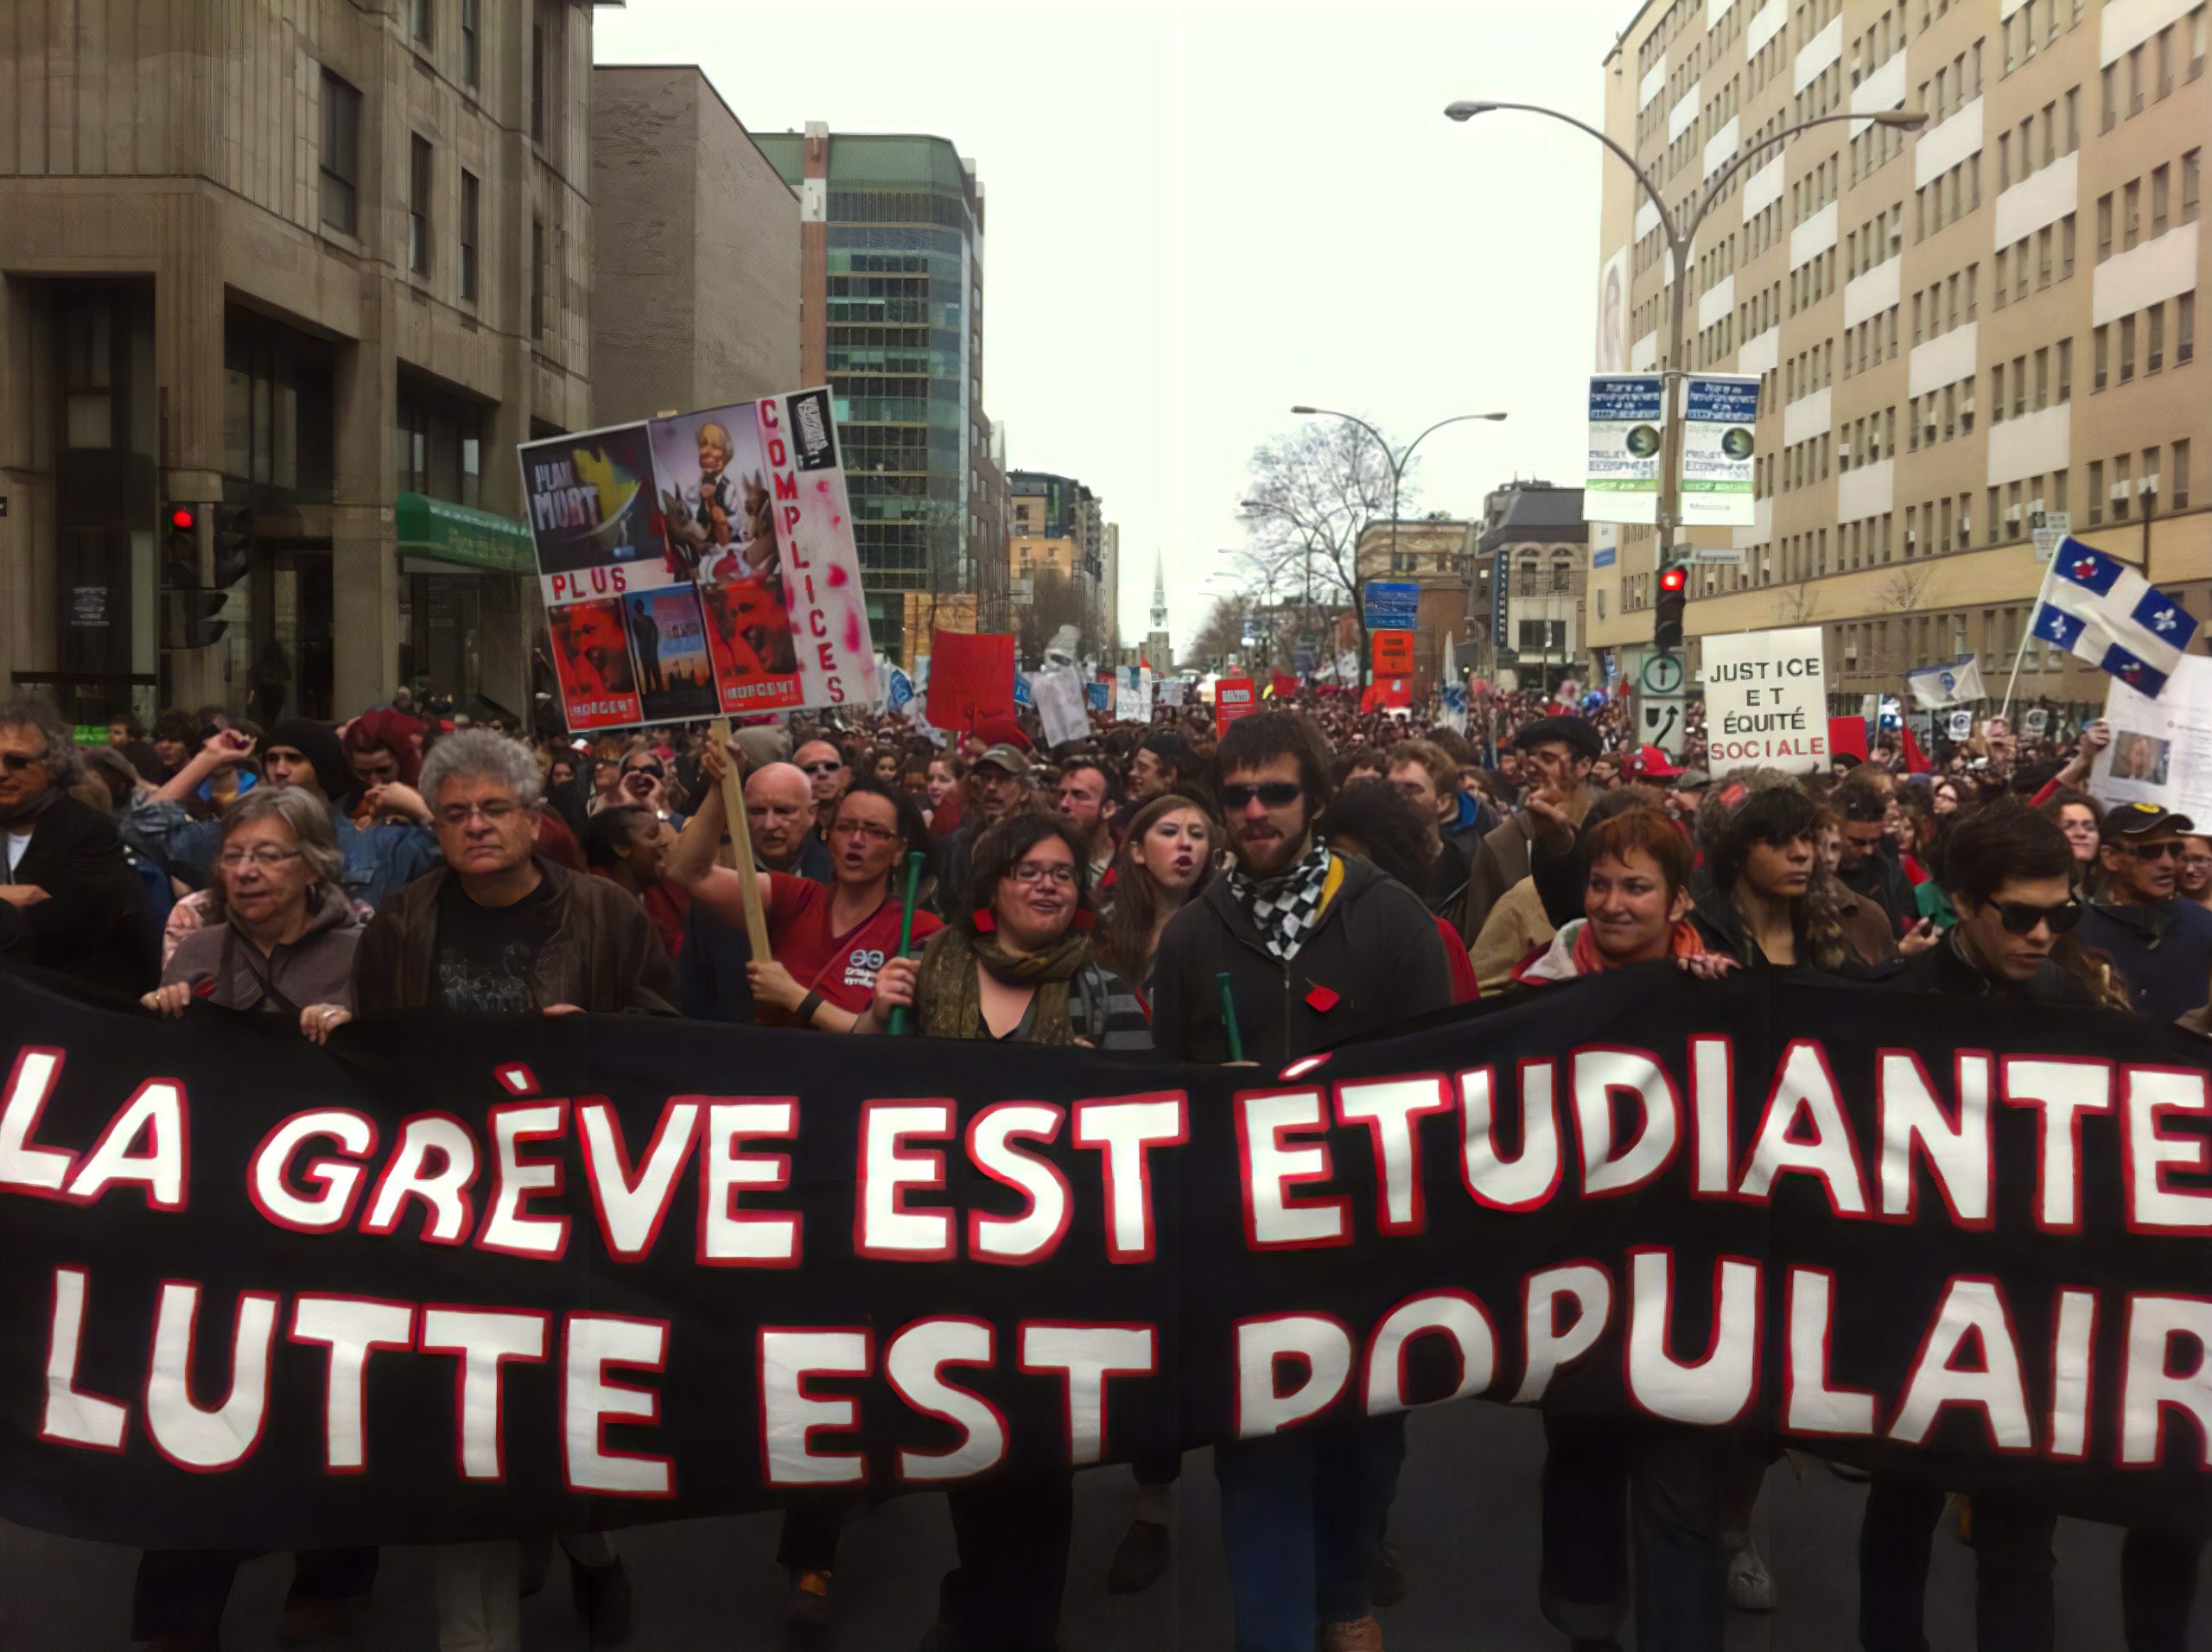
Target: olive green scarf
951	1000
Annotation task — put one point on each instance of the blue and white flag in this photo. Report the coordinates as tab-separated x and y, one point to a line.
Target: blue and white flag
1936	687
902	689
2101	609
1021	694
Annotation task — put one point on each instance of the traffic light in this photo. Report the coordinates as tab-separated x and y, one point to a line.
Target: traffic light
233	554
1667	611
195	609
180	546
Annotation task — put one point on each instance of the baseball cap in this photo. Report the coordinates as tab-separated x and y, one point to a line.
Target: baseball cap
1650	763
1010	758
2141	820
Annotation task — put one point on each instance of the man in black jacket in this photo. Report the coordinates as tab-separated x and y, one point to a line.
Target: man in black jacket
1317	948
82	909
2008	871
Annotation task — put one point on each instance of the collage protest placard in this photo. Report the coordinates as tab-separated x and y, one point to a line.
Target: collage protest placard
700	566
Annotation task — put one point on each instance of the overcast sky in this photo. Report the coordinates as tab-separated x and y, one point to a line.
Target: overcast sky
1201	213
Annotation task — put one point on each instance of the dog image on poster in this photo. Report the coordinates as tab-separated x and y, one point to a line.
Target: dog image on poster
668	635
591	657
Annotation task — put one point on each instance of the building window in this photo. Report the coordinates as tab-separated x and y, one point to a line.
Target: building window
341	153
2154	342
2127	348
418	16
538	83
2192	181
470	202
2177	481
472	44
537	277
2184	329
418	205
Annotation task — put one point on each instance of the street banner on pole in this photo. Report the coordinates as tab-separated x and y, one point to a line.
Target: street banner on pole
1391	605
1720	415
700	565
1621	479
1393	653
1765	700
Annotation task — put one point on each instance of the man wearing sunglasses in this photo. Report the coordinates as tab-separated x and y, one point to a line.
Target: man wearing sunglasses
2008	870
1309	947
2160	941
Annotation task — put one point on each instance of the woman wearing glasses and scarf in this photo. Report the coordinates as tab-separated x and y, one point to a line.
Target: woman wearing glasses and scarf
1014	967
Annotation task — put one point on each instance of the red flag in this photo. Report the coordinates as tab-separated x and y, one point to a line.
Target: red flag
1283	686
1916	760
971	678
1846	736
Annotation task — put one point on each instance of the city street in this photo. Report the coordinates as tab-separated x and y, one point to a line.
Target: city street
1464	1526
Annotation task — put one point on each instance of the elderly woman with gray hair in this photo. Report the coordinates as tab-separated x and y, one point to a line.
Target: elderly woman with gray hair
286	936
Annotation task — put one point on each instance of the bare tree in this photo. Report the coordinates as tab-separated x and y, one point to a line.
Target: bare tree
1222	633
1310	494
1798	604
1906	585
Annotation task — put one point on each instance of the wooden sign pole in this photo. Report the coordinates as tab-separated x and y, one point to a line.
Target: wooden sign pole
741	840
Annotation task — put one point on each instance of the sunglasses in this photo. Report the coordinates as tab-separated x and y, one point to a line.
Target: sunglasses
1277	794
2152	851
822	767
2020	919
15	762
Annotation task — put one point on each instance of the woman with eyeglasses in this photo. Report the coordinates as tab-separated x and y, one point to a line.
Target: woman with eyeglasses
280	942
1014	967
282	938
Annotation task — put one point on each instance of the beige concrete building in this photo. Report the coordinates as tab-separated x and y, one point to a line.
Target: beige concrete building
311	267
1954	329
695	294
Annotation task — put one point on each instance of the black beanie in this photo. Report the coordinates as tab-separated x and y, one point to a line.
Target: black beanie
318	745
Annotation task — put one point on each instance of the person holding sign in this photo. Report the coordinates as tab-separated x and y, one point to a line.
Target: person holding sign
828	943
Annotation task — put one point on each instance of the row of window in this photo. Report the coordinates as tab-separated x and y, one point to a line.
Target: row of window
2049	251
2115	343
1948	197
2123	208
2146	74
2135	492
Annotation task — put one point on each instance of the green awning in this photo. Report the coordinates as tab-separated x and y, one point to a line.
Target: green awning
454	533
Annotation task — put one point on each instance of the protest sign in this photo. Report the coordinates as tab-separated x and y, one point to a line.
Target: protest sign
1392	653
971	678
700	565
1132	693
1096	696
2161	749
1720	414
1621	480
1060	705
1959	725
1170	691
456	1278
1766	700
1232	698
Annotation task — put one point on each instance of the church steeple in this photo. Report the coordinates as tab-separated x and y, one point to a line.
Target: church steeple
1159	594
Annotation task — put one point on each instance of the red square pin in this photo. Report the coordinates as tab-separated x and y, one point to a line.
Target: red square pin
1322	999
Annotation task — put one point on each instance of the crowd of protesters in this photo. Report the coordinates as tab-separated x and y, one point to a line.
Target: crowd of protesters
1340	873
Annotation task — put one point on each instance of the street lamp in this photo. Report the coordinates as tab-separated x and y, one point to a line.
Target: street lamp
1680	240
1397	461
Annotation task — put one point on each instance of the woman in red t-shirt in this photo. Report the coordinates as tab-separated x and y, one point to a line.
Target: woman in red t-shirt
827	943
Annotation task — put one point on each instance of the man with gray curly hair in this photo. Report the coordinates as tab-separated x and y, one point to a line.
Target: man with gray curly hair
497	930
70	900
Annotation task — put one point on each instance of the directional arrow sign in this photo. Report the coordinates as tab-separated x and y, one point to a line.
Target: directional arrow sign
1663	674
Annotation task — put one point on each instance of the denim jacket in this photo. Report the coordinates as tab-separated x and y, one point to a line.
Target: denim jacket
379	858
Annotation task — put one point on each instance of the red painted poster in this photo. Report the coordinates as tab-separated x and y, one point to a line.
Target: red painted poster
591	658
1232	698
971	678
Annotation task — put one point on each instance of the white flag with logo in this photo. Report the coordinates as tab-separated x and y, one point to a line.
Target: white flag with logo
1934	686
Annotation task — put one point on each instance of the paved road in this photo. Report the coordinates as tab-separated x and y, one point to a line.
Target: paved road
1465	1525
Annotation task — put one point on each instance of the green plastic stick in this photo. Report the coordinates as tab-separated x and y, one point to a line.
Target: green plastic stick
1228	1018
898	1017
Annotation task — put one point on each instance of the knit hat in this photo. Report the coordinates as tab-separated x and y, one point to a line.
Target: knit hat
318	745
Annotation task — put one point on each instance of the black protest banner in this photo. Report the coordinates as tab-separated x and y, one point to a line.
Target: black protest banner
447	1278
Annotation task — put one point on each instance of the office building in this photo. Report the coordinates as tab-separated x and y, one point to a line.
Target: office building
696	297
306	275
1954	329
892	318
1057	529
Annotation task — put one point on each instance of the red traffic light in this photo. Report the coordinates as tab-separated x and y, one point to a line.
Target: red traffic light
181	518
1673	579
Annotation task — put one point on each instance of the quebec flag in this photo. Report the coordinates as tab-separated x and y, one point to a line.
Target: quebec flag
2102	610
902	689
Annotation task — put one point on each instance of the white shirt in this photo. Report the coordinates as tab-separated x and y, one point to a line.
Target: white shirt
18	843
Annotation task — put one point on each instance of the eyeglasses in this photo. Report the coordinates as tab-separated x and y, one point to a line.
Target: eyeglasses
2021	919
496	813
821	767
653	769
867	829
15	762
1277	794
267	856
1031	872
2152	851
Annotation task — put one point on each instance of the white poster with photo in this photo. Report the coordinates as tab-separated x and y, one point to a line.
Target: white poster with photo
1766	700
2161	749
1060	706
1959	725
1169	691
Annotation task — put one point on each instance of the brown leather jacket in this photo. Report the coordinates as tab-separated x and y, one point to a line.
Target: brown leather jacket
601	953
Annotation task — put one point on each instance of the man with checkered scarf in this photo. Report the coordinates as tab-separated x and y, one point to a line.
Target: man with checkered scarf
1316	948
